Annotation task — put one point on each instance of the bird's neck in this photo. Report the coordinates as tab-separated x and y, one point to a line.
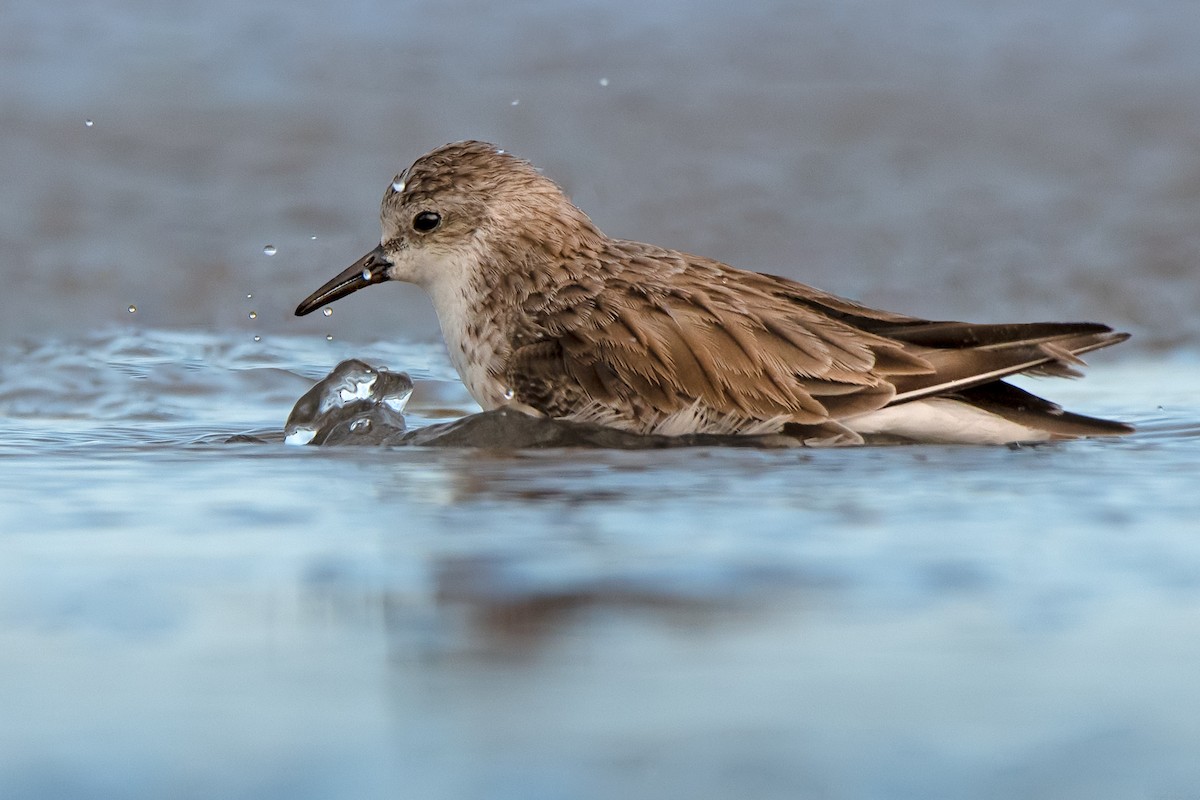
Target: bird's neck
473	343
487	305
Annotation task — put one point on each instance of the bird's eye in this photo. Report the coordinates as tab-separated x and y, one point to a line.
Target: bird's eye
426	221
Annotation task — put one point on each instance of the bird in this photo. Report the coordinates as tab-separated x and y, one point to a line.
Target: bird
543	313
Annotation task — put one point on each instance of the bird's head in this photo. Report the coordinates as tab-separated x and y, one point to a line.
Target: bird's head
460	210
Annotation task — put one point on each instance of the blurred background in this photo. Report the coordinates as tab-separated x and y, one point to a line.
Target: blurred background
948	158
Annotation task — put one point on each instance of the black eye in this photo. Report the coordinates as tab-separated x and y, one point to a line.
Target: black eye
426	221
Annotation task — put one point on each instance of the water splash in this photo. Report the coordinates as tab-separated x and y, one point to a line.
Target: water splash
355	400
299	436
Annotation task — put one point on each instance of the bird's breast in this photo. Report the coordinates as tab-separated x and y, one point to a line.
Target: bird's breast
474	330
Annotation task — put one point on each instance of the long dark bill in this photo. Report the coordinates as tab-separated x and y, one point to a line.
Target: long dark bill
371	268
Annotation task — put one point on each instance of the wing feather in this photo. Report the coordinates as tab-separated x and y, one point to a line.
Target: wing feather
666	337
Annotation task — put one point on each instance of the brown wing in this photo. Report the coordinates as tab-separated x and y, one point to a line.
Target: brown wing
669	331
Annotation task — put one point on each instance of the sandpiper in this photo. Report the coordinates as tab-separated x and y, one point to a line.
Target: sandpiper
543	312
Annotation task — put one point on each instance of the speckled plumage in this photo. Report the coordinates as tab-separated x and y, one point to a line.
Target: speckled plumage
542	311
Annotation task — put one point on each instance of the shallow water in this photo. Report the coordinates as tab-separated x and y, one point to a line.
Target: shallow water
181	616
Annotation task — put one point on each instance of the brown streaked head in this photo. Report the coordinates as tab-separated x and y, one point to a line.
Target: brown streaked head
452	211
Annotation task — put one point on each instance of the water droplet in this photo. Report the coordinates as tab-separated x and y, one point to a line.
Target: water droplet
360	424
398	185
248	295
312	238
270	250
133	309
509	393
253	315
327	311
604	81
87	123
515	103
329	337
257	338
366	276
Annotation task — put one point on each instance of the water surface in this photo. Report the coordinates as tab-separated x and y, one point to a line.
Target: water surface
181	616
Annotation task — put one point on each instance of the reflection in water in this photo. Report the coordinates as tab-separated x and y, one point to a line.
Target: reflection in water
487	608
700	622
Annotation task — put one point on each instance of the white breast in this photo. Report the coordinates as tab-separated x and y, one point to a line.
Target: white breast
477	359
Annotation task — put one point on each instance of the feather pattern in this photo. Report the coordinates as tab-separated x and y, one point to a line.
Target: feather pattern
674	334
543	311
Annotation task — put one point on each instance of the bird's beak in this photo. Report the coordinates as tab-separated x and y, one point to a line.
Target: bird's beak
371	268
